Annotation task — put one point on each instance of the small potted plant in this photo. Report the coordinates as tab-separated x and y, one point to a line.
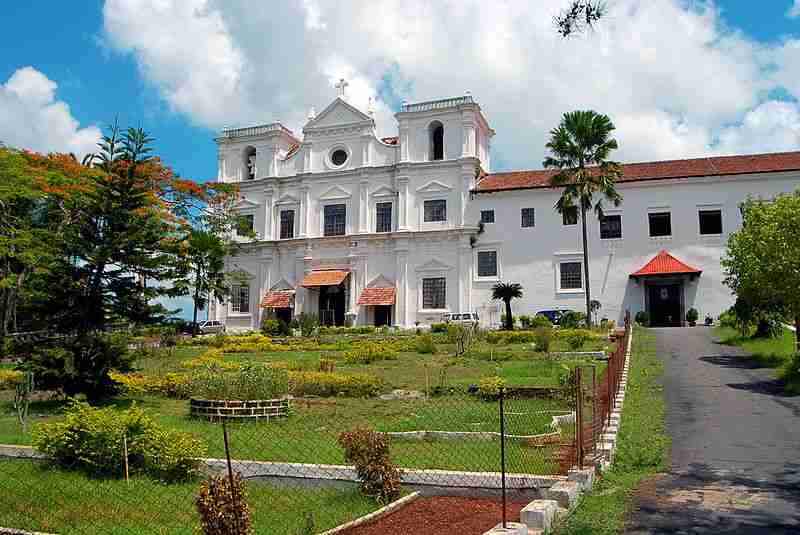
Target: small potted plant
691	317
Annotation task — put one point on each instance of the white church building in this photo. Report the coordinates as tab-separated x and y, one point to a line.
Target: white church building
366	230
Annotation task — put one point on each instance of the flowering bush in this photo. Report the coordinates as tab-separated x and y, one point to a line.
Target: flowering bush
368	450
333	384
489	387
9	379
249	381
369	352
223	506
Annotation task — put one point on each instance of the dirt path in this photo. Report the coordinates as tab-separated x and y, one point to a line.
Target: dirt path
735	460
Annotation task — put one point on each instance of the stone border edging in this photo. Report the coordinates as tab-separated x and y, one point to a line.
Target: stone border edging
256	409
374	515
12	531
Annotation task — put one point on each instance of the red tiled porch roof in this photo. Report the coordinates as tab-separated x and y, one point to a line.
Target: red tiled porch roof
669	169
278	299
376	296
665	264
327	277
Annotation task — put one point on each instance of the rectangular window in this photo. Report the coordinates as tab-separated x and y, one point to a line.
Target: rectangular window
611	227
570	215
335	219
487	216
528	217
487	263
433	293
240	299
383	217
710	221
571	276
287	224
435	210
660	224
245	225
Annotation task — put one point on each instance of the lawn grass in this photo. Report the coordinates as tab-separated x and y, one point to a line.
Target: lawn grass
769	352
642	448
33	497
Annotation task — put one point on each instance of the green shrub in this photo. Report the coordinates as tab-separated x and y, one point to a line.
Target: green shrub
368	451
543	337
643	318
791	374
525	321
370	352
91	440
540	320
424	344
576	339
356	385
9	379
691	315
274	327
489	387
510	337
438	327
222	505
572	320
249	381
171	385
307	323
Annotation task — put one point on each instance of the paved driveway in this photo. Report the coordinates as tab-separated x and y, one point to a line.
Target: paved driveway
735	462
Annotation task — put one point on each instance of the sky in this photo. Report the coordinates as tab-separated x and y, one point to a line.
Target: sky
679	78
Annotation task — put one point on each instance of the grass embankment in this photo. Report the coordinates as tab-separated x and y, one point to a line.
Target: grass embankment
641	448
776	353
58	501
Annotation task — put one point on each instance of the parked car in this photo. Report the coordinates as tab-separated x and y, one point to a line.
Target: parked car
464	317
188	327
554	315
211	327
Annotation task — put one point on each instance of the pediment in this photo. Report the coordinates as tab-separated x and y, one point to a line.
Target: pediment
245	203
434	265
384	191
338	113
434	186
281	285
287	199
335	192
381	282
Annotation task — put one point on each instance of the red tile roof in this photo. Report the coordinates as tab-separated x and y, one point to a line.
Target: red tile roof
665	264
394	140
328	277
376	296
281	299
636	172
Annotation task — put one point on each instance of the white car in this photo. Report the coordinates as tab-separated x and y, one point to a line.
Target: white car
465	317
211	327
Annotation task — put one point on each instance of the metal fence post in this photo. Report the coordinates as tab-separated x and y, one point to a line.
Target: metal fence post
579	415
230	475
503	453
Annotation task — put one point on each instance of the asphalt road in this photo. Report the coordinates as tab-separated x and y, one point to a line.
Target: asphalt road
735	459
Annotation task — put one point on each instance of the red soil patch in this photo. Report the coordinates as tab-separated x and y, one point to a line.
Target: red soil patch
465	516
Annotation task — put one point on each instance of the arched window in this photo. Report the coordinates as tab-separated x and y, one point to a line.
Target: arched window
436	135
250	163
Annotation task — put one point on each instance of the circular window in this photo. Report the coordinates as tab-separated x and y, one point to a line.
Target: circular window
338	157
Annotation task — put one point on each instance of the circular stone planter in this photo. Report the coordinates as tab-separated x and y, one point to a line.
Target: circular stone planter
227	409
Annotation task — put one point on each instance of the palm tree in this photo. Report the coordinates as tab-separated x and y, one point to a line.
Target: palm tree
506	291
580	147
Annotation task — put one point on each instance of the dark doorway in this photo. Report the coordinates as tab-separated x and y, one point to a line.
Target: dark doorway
383	315
284	314
332	305
664	304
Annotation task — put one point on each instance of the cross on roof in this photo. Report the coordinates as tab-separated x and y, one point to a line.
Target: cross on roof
341	85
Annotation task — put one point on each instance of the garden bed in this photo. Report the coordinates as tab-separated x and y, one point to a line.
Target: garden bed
257	409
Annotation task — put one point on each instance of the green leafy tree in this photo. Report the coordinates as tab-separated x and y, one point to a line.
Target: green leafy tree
580	148
205	270
505	292
579	16
762	259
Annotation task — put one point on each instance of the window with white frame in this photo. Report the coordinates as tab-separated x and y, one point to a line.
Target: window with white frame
528	217
435	210
611	227
240	299
487	263
570	276
383	217
287	224
487	216
434	293
335	216
660	224
710	222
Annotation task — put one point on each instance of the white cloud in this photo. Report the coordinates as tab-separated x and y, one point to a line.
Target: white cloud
673	77
32	118
794	11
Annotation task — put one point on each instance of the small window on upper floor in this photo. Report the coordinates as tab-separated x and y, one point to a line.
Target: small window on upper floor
660	224
436	134
487	216
570	215
528	217
383	217
710	222
287	224
250	163
611	227
435	210
335	219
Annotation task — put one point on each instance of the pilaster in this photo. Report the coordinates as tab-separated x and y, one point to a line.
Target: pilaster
363	205
268	214
402	201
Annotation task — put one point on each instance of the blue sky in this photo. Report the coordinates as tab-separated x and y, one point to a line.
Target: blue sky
680	78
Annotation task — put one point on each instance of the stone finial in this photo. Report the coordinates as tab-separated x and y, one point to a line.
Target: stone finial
341	86
312	113
370	109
